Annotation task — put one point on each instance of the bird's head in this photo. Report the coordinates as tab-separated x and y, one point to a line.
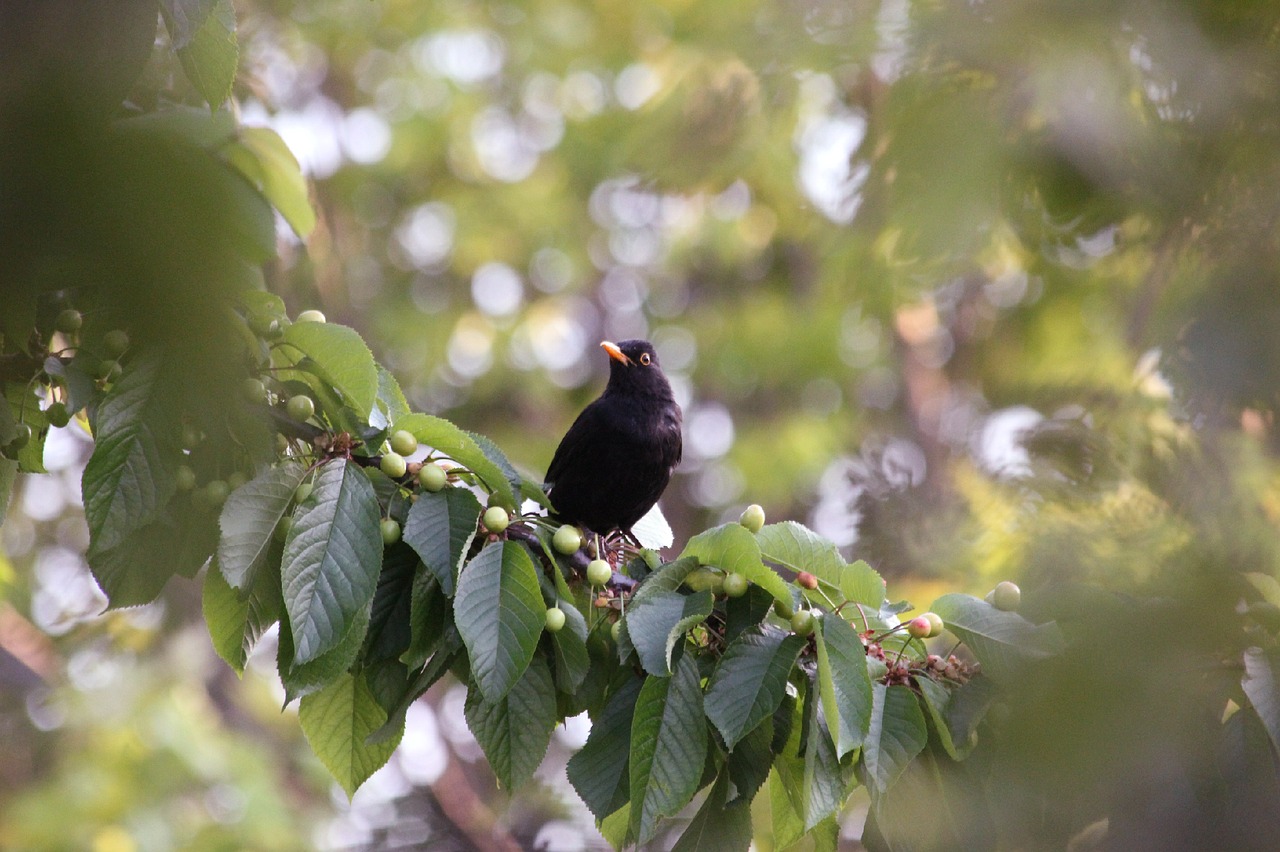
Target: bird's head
633	367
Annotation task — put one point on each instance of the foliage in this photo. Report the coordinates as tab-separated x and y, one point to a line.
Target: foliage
1030	221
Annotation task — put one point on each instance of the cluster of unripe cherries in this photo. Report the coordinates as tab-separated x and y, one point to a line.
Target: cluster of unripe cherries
114	344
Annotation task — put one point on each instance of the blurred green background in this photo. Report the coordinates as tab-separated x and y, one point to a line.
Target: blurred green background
978	290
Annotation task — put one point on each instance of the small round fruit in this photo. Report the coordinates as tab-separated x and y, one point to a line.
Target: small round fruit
184	478
57	415
936	624
918	627
783	610
432	477
21	437
109	371
735	585
302	492
115	343
802	623
283	527
237	479
311	315
555	619
254	390
753	517
496	519
191	436
300	407
807	580
68	321
567	540
393	465
265	326
615	630
403	442
216	492
390	531
1006	596
599	572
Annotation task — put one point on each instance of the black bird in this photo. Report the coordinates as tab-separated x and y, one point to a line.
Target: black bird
616	459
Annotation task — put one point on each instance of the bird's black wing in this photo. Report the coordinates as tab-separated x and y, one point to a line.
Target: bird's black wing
572	445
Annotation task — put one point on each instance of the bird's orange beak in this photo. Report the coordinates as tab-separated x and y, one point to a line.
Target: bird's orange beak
615	353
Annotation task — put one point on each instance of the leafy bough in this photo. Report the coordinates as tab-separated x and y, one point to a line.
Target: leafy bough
755	666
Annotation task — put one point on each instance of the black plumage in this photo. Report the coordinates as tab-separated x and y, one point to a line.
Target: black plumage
616	459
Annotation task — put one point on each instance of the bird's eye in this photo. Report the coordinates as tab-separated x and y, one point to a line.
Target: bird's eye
645	359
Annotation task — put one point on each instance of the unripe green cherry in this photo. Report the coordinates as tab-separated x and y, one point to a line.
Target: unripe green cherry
300	407
393	465
403	442
1006	596
784	610
57	415
432	477
753	517
254	390
936	624
496	519
555	619
303	491
311	315
802	623
22	433
567	540
599	572
115	343
735	585
390	531
237	479
918	627
216	492
68	321
283	527
615	630
109	371
184	477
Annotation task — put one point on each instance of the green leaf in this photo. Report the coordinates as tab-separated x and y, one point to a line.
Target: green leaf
785	824
799	548
262	157
935	697
668	747
449	440
896	735
389	627
211	56
237	622
655	622
715	827
197	126
183	18
134	572
733	548
429	616
337	720
129	477
391	404
500	614
843	683
341	358
749	681
441	527
749	762
570	646
332	558
598	771
1262	688
515	730
1002	641
302	679
249	519
809	768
